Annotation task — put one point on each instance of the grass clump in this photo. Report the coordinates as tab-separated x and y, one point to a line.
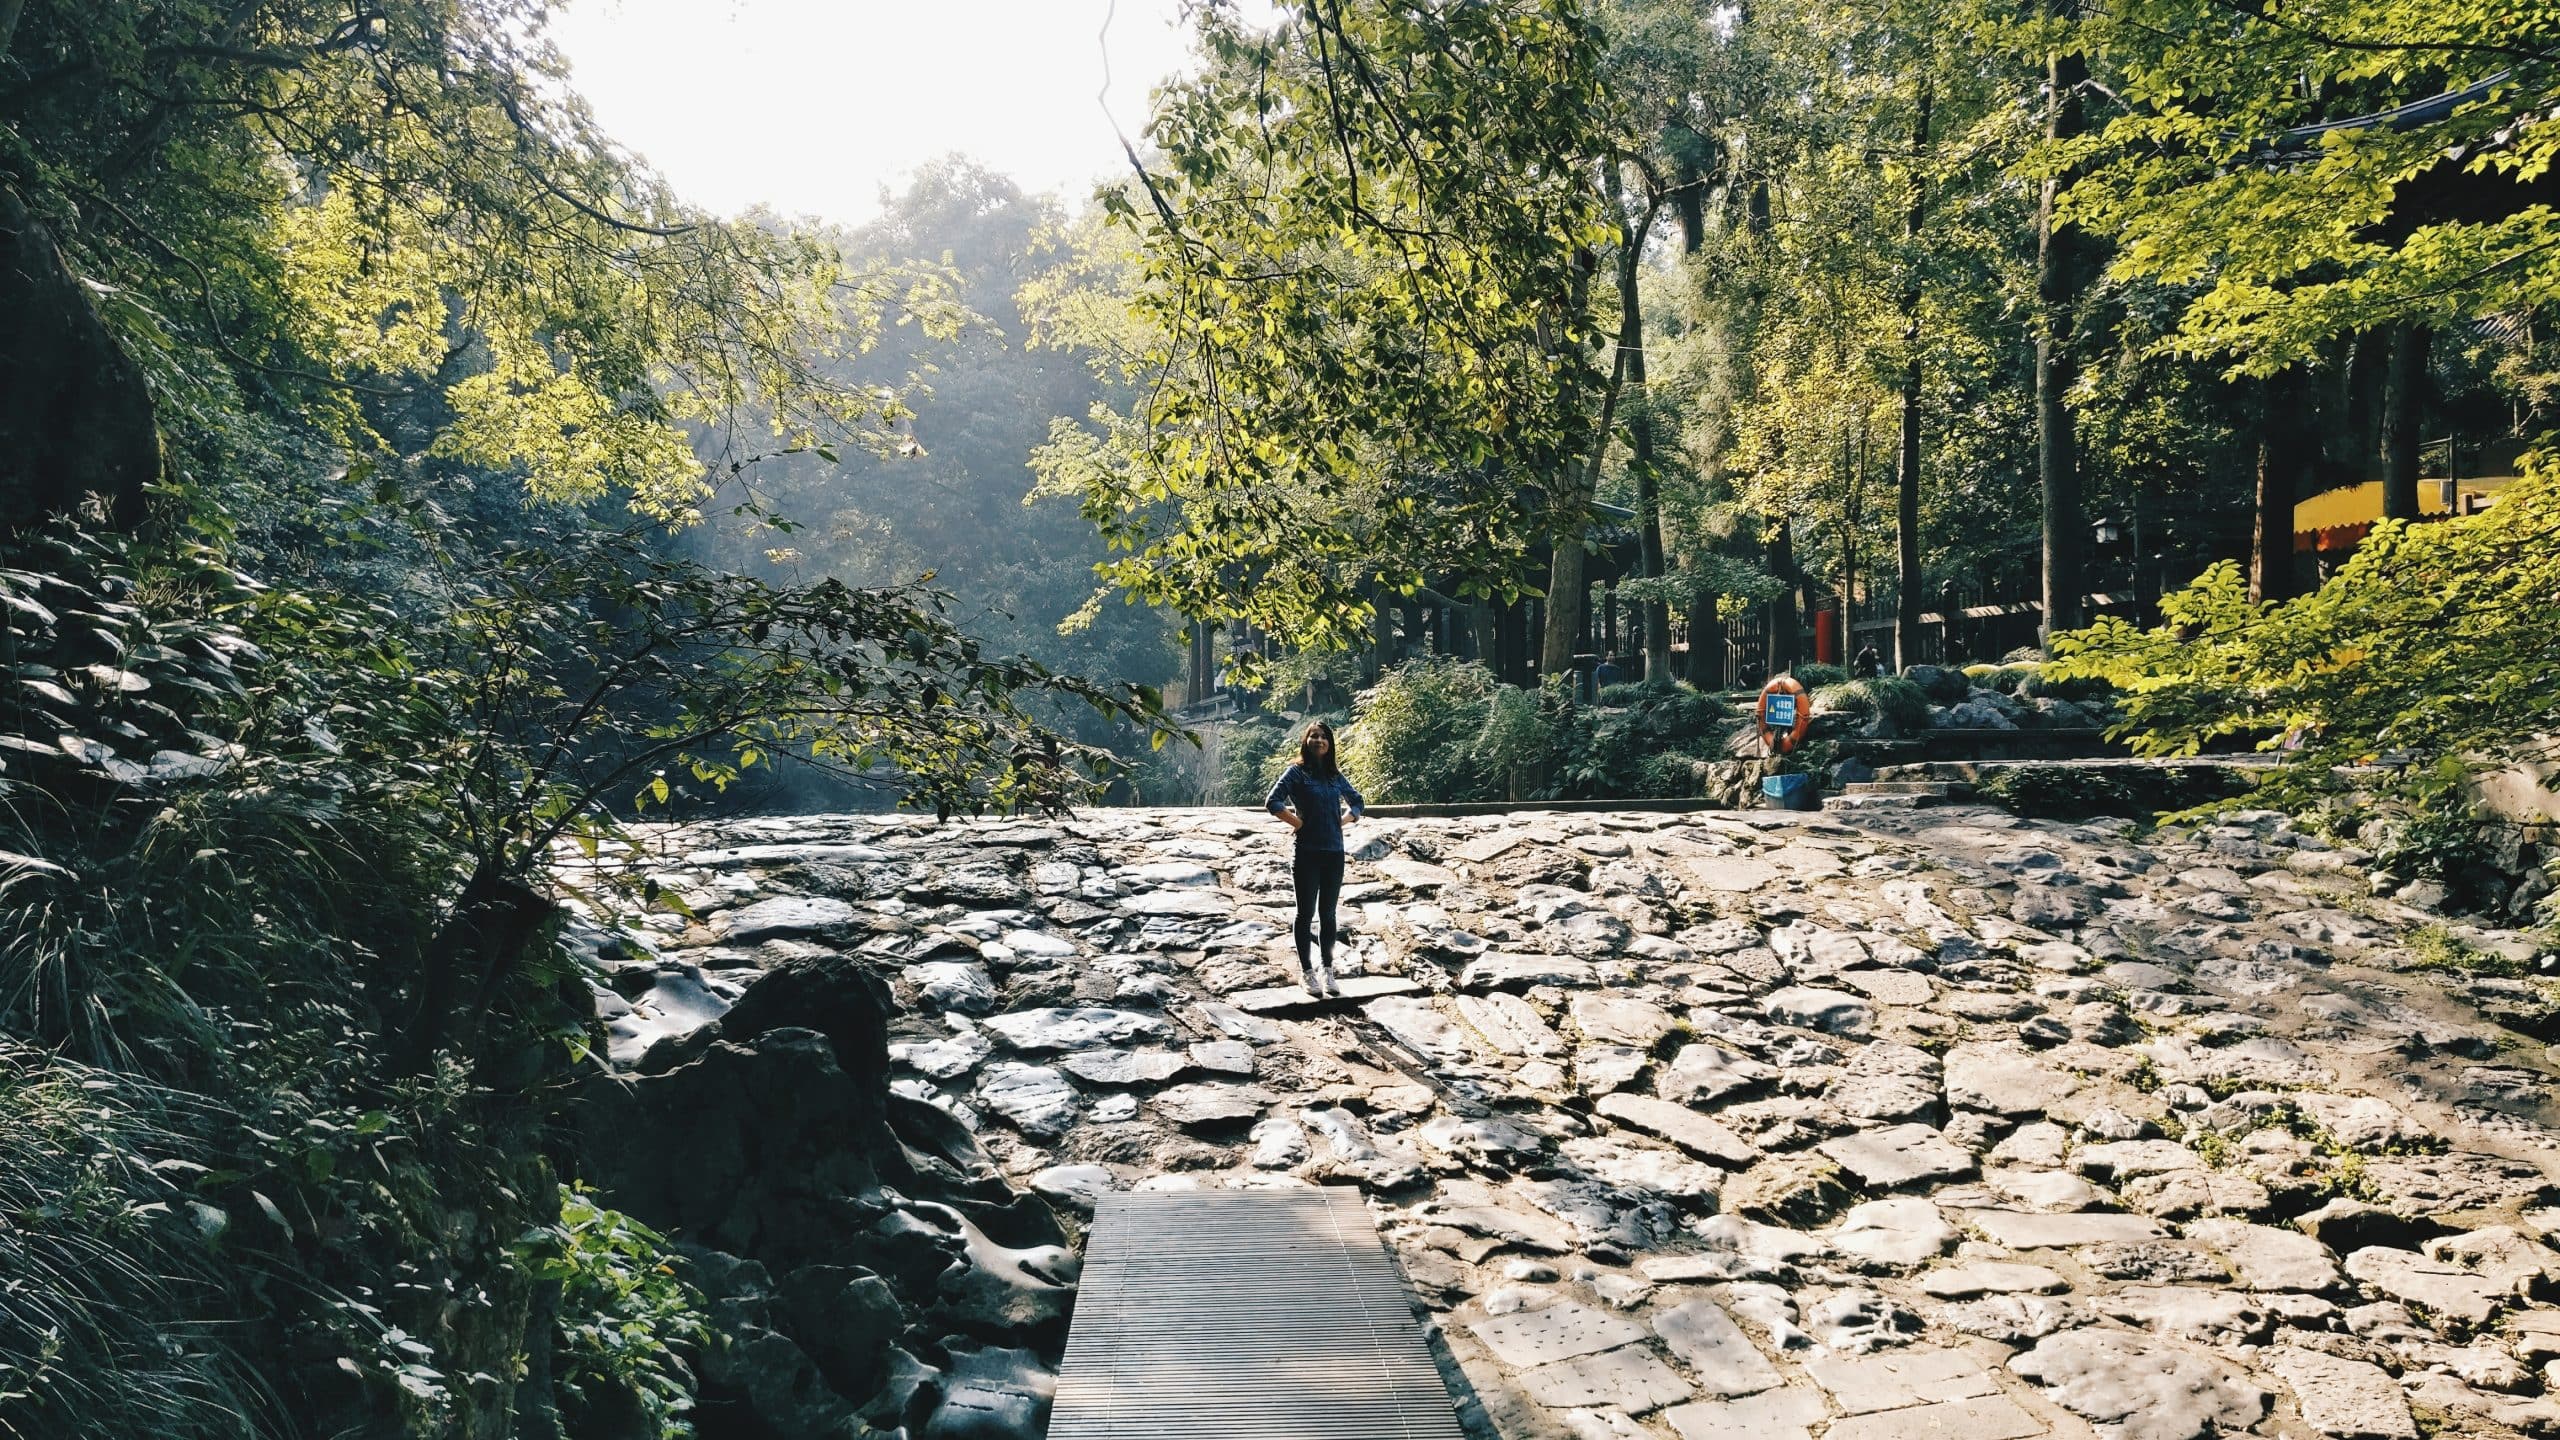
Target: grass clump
2436	948
1901	702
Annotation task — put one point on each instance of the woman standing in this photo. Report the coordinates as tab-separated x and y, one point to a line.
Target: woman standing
1313	799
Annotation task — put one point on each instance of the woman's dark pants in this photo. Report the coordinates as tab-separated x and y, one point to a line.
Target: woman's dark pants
1319	880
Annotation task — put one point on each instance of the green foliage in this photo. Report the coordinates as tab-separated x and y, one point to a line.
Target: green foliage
1443	730
404	202
2013	679
1645	749
2433	947
2064	793
1244	756
108	1258
2432	647
2279	241
1415	732
1815	676
1898	700
2429	829
626	1320
1354	312
281	777
953	503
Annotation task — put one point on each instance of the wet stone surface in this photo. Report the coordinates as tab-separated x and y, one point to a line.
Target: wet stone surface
1875	1125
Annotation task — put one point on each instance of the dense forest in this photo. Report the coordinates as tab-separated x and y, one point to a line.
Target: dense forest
401	491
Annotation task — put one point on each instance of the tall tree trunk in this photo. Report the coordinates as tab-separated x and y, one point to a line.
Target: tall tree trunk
2404	399
2286	451
1783	640
1382	631
9	11
1906	512
1706	646
2061	267
1481	629
1690	203
1566	599
1640	442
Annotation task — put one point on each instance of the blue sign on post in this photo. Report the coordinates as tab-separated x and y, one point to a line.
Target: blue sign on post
1778	710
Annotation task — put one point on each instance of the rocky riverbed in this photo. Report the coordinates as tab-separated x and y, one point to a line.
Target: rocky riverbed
1723	1126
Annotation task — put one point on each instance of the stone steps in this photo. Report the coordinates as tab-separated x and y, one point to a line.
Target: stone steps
1898	794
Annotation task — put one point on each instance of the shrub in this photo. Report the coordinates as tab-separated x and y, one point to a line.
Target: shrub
1527	733
2079	689
1898	700
1943	686
2007	678
1414	733
1849	697
109	1265
1669	775
2433	644
626	1322
1814	677
2062	793
1244	753
1660	717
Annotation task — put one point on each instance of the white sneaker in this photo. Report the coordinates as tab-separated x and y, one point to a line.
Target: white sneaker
1324	974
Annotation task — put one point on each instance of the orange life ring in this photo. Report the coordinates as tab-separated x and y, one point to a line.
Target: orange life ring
1782	724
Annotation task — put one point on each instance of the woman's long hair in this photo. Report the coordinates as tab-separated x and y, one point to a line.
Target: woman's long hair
1320	764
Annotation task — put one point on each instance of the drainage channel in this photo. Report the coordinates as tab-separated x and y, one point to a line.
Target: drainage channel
1246	1313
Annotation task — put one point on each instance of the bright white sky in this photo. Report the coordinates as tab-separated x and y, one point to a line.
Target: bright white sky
812	106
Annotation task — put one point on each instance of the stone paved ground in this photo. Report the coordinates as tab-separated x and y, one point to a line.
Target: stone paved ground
1754	1127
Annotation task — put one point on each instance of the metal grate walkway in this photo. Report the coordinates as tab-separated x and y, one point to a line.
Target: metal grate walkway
1212	1314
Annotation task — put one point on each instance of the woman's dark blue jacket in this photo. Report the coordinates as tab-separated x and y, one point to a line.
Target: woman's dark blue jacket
1319	805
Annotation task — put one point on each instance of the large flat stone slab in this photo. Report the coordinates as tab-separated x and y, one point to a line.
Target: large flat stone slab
1700	1136
2435	1286
1702	1337
1703	1074
1558	1330
1618	1020
1188	902
1898	1155
1770	1415
1038	1100
1044	1031
784	917
1860	1384
1211	1105
1726	874
2027	1230
1629	1380
2267	1258
1125	1067
2004	1079
1421	1026
1509	1024
1833	1012
2141	1388
1988	1417
1904	1231
2348	1399
1519	972
1349	989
